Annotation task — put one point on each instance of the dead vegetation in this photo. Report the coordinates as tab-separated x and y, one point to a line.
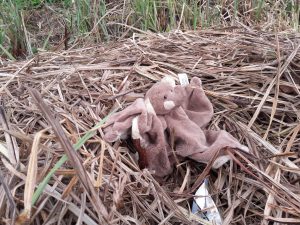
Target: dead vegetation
252	79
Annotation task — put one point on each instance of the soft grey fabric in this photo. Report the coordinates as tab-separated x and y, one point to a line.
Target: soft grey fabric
167	114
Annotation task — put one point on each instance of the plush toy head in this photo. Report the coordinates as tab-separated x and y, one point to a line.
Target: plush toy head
164	96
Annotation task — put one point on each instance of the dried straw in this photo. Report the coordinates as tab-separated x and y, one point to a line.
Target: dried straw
251	77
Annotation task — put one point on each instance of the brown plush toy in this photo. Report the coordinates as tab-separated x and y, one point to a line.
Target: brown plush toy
171	115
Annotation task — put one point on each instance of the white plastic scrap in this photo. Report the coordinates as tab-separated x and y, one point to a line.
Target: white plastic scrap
204	206
183	79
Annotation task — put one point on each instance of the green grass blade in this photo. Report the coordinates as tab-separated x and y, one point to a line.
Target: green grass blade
236	6
47	40
64	158
7	53
259	9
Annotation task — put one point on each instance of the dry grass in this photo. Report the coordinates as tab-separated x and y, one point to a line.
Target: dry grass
252	79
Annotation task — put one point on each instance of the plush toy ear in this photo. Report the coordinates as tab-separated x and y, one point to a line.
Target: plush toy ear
168	80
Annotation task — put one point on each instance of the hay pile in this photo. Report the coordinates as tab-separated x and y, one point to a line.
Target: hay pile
251	77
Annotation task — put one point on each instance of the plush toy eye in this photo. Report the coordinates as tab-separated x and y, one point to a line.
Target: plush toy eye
165	97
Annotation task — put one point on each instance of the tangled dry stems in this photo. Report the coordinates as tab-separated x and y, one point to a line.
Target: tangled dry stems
251	77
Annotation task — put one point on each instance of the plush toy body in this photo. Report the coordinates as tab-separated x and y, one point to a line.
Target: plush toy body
171	115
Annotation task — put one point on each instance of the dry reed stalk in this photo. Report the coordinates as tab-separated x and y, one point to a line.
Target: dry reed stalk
252	79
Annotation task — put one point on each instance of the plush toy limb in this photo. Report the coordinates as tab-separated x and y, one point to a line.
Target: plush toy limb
197	105
217	141
119	130
120	123
149	141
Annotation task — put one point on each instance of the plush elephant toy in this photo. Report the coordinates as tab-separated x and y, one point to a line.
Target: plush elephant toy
170	123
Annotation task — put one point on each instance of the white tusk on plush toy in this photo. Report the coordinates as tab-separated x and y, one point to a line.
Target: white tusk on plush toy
135	132
149	106
169	105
